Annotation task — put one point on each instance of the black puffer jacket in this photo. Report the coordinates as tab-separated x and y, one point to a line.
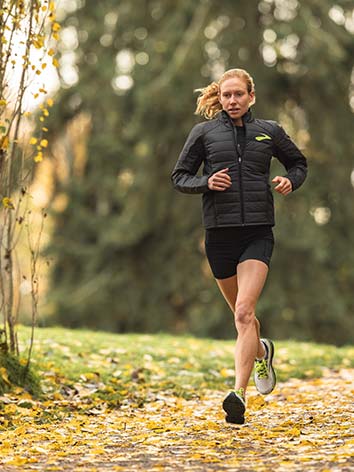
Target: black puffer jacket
249	200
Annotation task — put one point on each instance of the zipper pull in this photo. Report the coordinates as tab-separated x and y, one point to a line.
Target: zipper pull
239	159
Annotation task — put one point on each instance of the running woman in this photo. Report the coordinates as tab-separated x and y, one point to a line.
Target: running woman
238	212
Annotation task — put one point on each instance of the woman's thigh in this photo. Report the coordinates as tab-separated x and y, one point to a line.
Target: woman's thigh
251	275
229	289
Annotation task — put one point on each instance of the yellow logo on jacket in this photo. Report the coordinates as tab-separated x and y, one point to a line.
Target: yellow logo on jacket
262	137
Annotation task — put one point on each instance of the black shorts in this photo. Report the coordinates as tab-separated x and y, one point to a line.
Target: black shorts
227	247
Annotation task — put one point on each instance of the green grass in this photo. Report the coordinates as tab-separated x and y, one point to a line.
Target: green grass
114	367
15	372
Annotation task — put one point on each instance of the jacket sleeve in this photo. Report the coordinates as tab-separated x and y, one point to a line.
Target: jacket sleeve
184	176
291	157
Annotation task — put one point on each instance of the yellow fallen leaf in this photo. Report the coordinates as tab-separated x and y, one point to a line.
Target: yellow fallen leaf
3	371
295	432
17	461
4	143
226	372
7	203
56	27
97	451
256	403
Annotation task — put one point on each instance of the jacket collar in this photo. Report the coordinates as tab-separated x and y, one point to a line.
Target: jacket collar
223	116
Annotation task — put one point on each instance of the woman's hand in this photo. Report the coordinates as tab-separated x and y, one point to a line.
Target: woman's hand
284	185
220	181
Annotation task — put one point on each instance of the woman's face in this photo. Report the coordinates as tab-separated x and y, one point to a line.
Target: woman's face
234	98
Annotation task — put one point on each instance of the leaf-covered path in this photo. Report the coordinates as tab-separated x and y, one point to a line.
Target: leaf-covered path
303	425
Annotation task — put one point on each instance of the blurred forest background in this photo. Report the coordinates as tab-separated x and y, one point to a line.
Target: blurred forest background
126	249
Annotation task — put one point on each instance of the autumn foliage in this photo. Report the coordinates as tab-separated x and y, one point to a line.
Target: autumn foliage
28	33
153	403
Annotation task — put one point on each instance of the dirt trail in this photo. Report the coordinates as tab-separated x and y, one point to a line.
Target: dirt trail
303	425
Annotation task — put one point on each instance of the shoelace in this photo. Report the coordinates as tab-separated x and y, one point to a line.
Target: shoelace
261	369
240	392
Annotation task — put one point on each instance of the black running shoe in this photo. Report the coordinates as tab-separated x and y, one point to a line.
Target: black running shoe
234	405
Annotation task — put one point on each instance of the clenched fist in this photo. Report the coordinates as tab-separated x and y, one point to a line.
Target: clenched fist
220	181
284	185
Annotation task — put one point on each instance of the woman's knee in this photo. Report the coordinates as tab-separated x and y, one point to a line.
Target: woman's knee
244	313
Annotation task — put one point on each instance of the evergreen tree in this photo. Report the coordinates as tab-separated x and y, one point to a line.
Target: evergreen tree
129	249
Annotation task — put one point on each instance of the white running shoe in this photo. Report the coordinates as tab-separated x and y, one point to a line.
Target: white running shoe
264	375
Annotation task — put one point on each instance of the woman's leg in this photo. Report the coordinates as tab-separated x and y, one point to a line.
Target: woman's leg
229	289
252	275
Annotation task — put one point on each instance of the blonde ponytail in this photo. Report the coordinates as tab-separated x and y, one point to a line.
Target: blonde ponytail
208	104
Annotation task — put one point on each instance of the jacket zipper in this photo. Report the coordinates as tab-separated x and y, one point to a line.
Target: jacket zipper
239	158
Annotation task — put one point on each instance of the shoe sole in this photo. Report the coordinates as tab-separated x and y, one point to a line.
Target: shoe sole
234	409
271	354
